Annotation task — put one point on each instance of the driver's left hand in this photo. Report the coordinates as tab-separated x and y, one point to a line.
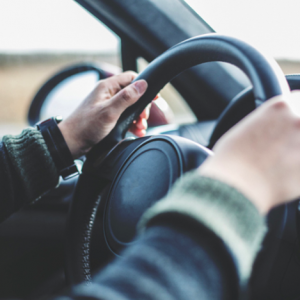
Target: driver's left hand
99	112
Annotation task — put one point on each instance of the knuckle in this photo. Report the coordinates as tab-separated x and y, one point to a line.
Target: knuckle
279	109
280	105
126	95
101	85
102	82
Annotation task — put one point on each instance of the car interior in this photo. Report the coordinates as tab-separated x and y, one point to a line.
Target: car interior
81	226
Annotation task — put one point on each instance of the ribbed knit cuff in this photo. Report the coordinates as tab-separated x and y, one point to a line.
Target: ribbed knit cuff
32	161
222	209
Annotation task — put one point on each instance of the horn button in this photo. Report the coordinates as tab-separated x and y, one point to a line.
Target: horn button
142	180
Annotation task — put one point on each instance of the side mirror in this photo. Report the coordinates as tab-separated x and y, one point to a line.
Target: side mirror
62	93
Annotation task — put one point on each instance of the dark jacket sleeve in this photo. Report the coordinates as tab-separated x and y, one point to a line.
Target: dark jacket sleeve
27	170
197	243
168	262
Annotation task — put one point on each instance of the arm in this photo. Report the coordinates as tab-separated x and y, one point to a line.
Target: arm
27	169
201	240
194	248
167	262
176	256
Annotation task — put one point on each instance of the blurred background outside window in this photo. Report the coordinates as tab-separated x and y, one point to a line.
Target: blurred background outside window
38	38
41	37
271	26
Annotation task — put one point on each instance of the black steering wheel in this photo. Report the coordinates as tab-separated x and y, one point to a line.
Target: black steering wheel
122	178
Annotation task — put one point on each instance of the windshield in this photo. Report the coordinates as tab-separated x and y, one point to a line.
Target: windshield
38	38
48	36
272	26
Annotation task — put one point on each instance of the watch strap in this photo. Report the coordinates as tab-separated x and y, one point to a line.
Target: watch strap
58	147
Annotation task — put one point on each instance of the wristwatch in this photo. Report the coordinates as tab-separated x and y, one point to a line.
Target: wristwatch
58	147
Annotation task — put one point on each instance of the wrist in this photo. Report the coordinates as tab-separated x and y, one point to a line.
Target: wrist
58	147
242	177
75	143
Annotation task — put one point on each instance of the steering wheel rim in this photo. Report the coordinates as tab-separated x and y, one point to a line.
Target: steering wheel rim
264	73
241	105
205	48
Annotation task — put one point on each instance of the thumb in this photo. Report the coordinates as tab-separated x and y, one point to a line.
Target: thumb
128	96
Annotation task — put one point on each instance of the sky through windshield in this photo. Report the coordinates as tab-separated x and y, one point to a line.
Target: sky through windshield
272	26
33	25
51	25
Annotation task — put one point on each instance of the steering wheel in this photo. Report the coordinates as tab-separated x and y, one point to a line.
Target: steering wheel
122	178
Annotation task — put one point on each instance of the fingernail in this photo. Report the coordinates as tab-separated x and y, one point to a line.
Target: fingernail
141	86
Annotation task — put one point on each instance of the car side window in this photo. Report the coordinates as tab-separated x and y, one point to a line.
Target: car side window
42	38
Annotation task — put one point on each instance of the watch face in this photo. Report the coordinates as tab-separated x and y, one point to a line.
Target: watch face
58	147
58	119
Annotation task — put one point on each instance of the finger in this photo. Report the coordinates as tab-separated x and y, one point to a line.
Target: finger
143	115
117	82
141	124
126	78
139	127
138	132
146	112
127	96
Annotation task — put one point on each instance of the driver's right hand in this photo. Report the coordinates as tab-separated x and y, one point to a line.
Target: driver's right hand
260	156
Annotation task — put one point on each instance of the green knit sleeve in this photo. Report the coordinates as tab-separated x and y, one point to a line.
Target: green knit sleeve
32	161
221	208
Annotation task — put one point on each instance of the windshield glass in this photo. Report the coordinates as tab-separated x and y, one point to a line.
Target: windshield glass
272	26
39	38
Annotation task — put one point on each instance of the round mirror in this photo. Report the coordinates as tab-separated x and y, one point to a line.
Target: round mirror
63	92
68	94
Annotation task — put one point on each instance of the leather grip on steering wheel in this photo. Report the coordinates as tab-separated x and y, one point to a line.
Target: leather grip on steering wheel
264	73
